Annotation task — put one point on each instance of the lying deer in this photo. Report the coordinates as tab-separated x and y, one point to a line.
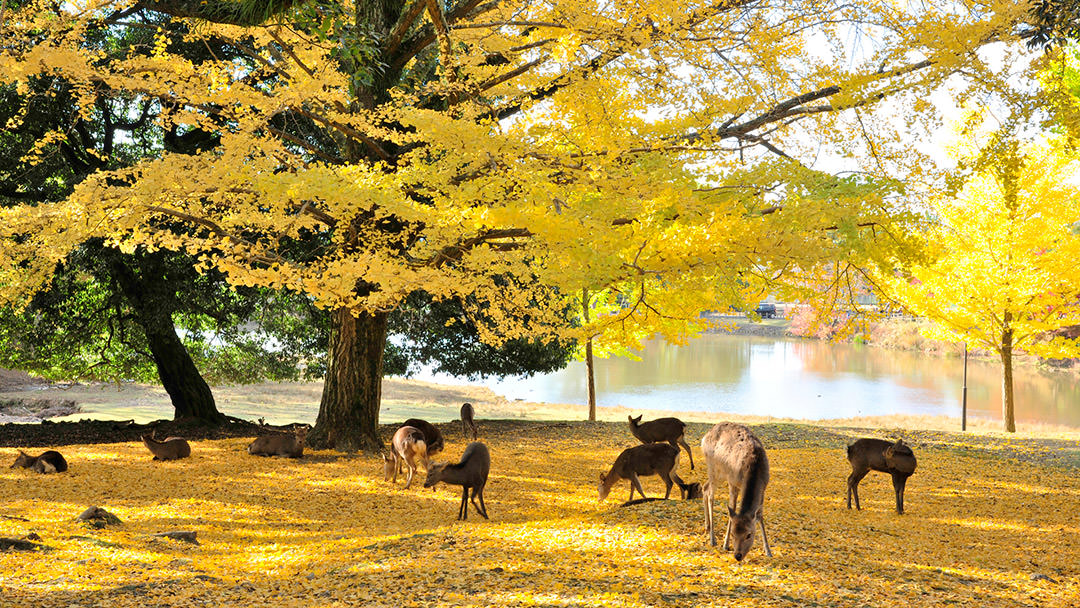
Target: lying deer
649	459
288	446
471	472
432	436
172	448
467	422
407	446
48	462
671	430
733	454
867	455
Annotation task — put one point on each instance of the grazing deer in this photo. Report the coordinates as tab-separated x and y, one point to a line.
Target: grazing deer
649	459
671	430
867	455
288	446
432	436
733	454
406	446
467	422
172	448
48	462
471	472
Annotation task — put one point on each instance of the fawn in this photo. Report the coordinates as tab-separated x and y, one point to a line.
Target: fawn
733	454
289	446
671	430
867	455
471	472
171	448
406	446
467	421
48	462
648	459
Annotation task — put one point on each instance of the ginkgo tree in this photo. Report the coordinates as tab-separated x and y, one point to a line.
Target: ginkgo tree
503	154
1003	274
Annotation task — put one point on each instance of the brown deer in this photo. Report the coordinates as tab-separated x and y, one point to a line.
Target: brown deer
432	436
649	459
171	448
48	462
867	455
733	454
671	430
288	446
471	472
467	422
406	446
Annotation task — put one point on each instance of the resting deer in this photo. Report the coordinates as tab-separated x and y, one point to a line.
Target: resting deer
471	472
867	455
289	446
432	436
733	454
172	448
48	462
671	430
406	446
649	459
467	422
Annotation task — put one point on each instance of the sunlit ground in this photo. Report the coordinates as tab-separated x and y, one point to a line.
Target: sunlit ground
988	523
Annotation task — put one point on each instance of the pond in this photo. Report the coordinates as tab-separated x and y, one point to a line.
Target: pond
807	379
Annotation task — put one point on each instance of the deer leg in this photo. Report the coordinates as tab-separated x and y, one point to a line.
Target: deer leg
853	487
732	497
709	518
463	510
635	483
412	470
764	537
397	466
666	476
481	508
682	442
898	482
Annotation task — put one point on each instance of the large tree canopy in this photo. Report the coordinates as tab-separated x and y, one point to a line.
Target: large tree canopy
502	154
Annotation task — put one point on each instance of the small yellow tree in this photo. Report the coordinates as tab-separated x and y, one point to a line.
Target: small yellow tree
1005	275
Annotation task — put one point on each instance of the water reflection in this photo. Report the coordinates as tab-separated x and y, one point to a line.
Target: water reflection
802	379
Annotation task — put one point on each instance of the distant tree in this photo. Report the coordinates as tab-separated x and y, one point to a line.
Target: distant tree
1004	275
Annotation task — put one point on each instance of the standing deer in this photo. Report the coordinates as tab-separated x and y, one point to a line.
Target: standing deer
649	459
289	446
171	448
867	455
467	422
48	462
733	454
671	430
432	436
471	472
407	446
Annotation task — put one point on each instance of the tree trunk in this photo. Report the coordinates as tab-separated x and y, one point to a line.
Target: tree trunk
589	370
1007	402
349	413
152	300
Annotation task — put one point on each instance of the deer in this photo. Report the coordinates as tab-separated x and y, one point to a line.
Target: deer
867	455
467	422
648	459
471	472
285	445
432	436
171	448
733	454
406	446
671	430
48	462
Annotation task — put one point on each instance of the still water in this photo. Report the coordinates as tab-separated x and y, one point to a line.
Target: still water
801	379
